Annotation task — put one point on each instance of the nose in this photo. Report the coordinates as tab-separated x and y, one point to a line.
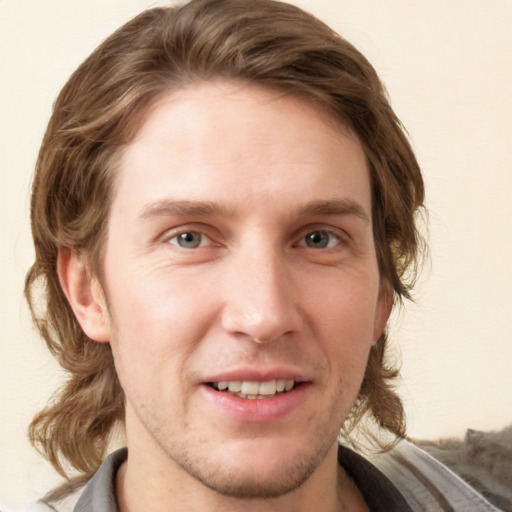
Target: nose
260	299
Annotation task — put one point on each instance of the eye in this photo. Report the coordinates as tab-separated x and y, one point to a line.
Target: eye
320	240
190	240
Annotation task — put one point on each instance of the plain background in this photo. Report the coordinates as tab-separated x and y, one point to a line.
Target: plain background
448	68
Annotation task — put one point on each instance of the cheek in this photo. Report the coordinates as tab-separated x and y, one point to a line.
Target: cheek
344	321
156	325
154	299
346	310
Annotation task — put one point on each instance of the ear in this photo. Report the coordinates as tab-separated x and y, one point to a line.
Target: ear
384	306
84	294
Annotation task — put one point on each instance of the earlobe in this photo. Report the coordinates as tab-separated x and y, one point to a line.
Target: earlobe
384	306
84	294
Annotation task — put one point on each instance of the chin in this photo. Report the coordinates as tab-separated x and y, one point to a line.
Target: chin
261	470
249	483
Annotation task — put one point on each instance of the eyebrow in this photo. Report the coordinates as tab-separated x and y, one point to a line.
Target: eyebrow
334	207
163	208
166	207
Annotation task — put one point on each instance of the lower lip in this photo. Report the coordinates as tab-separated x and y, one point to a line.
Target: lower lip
257	411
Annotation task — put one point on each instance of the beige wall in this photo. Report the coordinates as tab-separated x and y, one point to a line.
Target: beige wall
448	69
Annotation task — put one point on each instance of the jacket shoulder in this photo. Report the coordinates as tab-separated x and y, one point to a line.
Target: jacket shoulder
66	504
427	484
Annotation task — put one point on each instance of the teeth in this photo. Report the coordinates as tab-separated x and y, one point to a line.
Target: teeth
235	386
268	388
255	390
250	388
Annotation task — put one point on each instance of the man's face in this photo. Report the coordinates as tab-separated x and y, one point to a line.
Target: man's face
240	255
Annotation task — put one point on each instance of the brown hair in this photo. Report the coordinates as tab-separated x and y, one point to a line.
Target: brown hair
99	111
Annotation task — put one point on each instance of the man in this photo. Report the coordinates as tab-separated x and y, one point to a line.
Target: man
223	216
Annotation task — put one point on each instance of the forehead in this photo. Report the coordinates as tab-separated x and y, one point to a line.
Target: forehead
239	143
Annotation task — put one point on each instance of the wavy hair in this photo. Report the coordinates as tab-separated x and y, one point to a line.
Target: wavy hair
99	111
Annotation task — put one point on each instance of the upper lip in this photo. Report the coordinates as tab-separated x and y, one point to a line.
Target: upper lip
258	375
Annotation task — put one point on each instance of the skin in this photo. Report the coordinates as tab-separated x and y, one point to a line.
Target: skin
274	286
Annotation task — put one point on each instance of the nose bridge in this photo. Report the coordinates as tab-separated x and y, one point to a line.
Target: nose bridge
258	293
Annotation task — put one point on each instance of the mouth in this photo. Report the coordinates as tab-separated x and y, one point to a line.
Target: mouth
260	398
253	390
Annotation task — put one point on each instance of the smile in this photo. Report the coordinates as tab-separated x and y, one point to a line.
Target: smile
254	390
257	401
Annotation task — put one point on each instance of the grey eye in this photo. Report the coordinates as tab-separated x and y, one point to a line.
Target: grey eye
188	240
320	240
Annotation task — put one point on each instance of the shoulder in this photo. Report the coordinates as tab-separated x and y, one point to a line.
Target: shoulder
66	504
96	495
427	484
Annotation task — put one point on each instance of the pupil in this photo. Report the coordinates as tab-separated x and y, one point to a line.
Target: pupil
317	239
